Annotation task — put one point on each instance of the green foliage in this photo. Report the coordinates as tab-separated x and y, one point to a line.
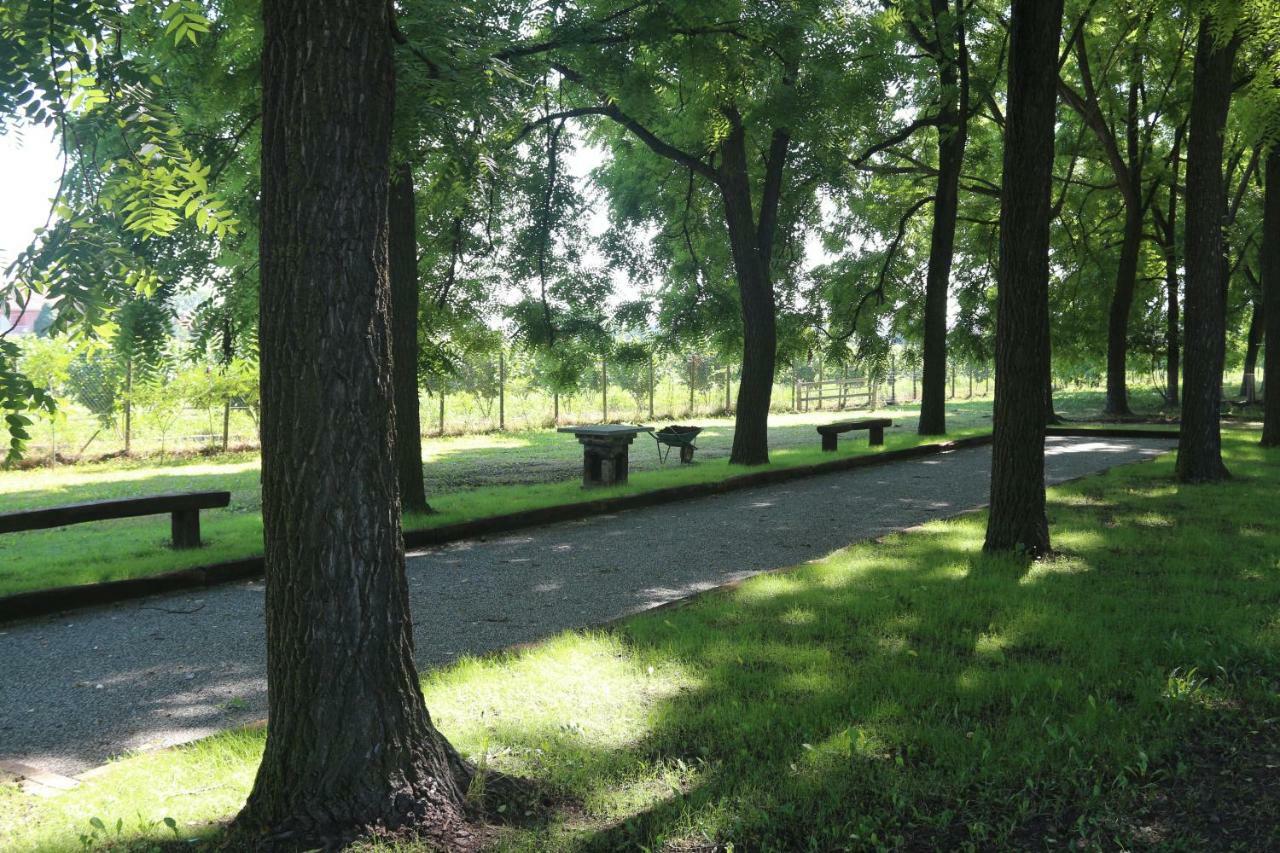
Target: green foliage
18	395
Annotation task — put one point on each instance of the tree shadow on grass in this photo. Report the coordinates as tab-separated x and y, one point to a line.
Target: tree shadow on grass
917	694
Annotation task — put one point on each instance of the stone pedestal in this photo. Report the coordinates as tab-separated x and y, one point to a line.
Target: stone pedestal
605	451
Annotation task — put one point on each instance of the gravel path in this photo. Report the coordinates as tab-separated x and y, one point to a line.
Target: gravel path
77	690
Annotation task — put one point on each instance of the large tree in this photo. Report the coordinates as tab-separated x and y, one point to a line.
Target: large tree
1200	438
751	100
1017	518
940	35
350	743
1122	96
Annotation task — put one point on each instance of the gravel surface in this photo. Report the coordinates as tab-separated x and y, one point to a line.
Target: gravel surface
92	684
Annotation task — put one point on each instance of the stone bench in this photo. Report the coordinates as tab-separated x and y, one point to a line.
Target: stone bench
874	426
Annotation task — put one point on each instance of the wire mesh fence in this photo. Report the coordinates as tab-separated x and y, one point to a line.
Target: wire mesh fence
107	408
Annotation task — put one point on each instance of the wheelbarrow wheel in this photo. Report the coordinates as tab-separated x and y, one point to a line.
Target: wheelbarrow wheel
686	454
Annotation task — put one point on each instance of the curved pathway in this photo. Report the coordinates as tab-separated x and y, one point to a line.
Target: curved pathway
79	689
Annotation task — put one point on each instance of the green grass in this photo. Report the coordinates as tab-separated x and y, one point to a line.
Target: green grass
905	693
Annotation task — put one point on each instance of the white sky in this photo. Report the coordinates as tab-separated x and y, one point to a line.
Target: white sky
29	169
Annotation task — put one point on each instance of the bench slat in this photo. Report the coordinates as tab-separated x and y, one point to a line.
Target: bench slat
58	516
846	426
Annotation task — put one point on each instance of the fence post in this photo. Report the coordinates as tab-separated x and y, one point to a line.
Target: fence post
726	389
604	389
128	405
953	380
226	425
502	392
650	386
690	385
893	380
555	402
442	410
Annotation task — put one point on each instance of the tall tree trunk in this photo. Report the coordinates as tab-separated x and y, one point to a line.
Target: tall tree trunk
1017	519
1173	368
1200	439
1249	384
759	329
1127	168
1270	253
1172	334
402	239
952	134
350	744
1117	402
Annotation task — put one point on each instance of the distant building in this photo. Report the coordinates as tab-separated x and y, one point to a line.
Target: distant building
20	321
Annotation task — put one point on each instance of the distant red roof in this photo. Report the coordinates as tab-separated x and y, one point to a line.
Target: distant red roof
18	321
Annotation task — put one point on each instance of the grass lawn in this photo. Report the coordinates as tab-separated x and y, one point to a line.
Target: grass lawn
910	693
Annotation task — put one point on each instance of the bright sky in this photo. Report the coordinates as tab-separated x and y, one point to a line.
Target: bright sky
29	169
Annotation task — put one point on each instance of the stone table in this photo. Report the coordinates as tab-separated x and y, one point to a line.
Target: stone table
604	452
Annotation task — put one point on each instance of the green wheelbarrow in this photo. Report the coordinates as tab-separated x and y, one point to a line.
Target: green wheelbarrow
676	436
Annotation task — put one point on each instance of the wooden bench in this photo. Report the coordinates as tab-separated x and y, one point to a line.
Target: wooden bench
185	509
874	426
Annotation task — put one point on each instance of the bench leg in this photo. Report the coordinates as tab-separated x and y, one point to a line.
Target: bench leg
829	441
186	528
877	436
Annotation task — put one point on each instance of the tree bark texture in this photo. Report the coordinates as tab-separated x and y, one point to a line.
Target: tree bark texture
350	744
1200	439
953	130
1270	253
1017	519
405	296
750	241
